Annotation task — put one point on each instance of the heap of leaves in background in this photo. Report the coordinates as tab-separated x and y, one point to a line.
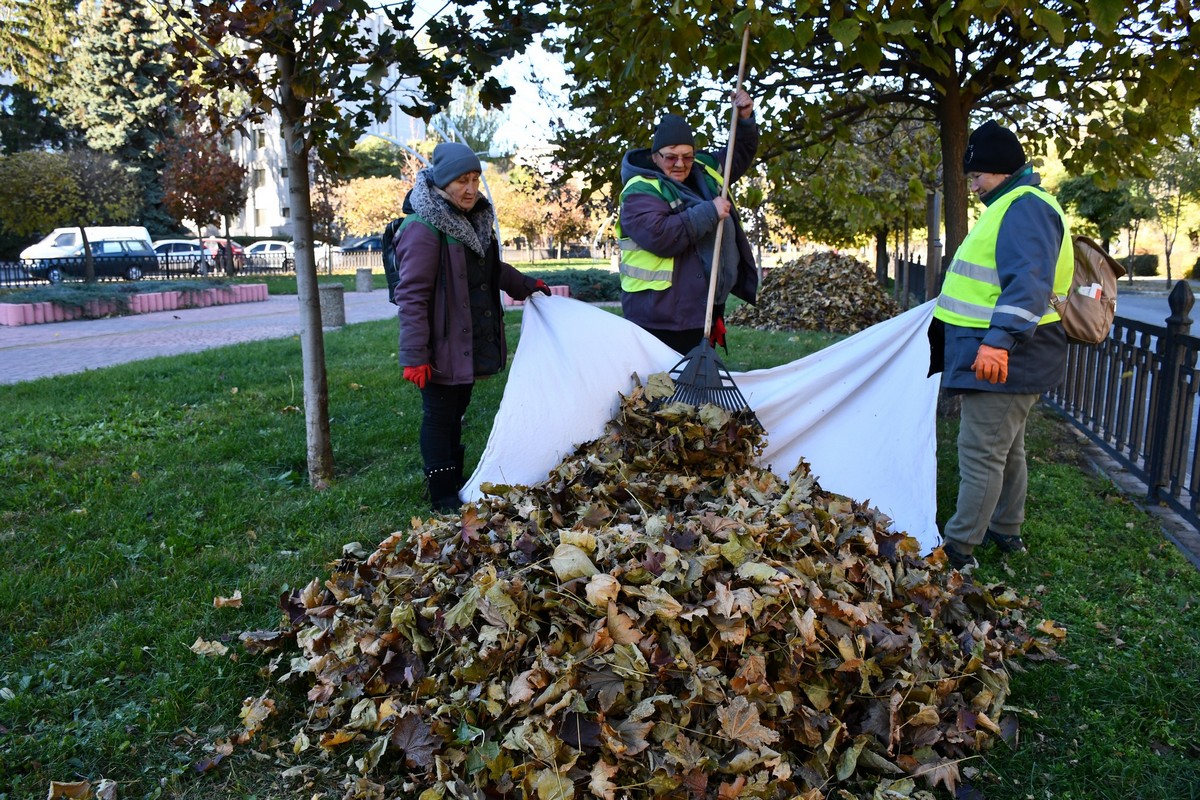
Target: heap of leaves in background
660	617
818	292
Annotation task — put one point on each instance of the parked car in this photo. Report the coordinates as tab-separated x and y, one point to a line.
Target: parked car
183	254
327	254
271	254
124	258
215	246
69	241
364	244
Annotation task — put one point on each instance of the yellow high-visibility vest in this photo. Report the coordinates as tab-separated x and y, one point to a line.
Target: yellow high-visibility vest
642	270
972	285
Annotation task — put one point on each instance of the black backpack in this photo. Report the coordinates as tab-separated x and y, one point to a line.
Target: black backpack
389	257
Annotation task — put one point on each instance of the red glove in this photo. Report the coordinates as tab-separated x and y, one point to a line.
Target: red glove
418	375
541	286
717	336
991	364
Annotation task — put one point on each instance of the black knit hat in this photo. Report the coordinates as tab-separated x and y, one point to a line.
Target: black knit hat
672	129
451	159
992	148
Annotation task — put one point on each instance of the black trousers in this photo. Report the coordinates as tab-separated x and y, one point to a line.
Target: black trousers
443	407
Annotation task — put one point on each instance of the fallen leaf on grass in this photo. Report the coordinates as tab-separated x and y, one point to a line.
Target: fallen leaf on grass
1052	628
202	648
73	789
229	602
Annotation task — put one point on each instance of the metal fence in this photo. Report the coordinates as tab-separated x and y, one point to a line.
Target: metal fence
1135	395
26	273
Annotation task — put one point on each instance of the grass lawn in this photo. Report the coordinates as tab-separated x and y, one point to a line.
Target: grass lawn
133	496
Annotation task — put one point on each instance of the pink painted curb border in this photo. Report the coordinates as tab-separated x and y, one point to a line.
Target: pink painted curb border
142	303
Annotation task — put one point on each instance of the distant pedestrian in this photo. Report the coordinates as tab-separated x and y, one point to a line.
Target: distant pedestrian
448	298
671	205
996	339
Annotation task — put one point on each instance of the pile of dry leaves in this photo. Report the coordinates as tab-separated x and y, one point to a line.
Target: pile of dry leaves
818	292
661	617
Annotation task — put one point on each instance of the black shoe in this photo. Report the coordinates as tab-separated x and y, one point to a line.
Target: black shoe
1005	544
963	562
444	483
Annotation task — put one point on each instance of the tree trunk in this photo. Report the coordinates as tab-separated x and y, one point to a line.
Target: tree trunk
954	114
89	263
881	256
312	338
230	267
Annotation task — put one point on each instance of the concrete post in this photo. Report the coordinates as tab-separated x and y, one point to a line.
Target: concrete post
363	281
333	304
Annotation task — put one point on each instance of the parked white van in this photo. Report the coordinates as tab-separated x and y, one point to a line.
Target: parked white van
69	241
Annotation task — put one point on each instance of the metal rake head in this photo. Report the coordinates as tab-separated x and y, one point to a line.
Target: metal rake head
701	378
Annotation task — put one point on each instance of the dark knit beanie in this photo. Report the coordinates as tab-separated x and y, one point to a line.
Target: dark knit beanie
672	129
450	160
992	148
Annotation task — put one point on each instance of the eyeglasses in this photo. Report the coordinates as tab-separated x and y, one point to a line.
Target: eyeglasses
672	160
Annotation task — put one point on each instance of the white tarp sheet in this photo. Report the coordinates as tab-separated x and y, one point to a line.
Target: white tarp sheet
861	412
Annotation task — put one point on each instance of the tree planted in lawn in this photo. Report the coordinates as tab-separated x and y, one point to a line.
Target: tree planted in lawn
326	70
1104	80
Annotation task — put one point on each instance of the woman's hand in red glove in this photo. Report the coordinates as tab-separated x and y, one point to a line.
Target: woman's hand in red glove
541	286
717	336
418	375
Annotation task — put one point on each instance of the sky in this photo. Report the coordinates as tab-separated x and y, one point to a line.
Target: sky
528	115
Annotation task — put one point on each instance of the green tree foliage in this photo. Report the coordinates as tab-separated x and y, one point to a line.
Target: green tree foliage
1173	191
32	34
466	119
201	182
114	88
1108	210
1104	80
26	123
40	191
36	188
874	184
327	69
378	158
519	198
366	205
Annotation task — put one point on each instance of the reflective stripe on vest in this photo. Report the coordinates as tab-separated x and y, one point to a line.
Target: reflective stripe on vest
640	269
972	284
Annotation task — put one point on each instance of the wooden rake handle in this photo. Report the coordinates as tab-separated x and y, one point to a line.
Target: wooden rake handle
716	258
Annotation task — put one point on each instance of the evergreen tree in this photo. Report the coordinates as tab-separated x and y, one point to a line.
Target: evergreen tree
119	94
26	123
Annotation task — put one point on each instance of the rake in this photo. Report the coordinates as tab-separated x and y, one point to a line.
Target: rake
700	377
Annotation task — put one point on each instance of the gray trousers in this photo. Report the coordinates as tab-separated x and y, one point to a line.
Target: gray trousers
993	478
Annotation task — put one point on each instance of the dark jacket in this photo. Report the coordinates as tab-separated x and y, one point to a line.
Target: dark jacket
448	296
686	233
1027	248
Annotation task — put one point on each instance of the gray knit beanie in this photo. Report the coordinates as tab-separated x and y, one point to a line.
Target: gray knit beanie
672	129
450	160
994	149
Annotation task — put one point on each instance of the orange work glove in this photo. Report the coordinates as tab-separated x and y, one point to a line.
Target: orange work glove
418	375
991	364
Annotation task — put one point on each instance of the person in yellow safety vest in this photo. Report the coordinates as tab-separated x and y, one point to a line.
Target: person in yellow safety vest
670	209
997	341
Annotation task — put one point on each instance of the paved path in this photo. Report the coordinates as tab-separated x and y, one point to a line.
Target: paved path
28	352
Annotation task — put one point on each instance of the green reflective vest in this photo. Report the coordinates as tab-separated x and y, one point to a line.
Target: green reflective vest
972	285
642	270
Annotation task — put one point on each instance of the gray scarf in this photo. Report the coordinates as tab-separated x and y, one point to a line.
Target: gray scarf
473	228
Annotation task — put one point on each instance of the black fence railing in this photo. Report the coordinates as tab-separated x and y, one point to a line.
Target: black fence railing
40	272
1135	395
